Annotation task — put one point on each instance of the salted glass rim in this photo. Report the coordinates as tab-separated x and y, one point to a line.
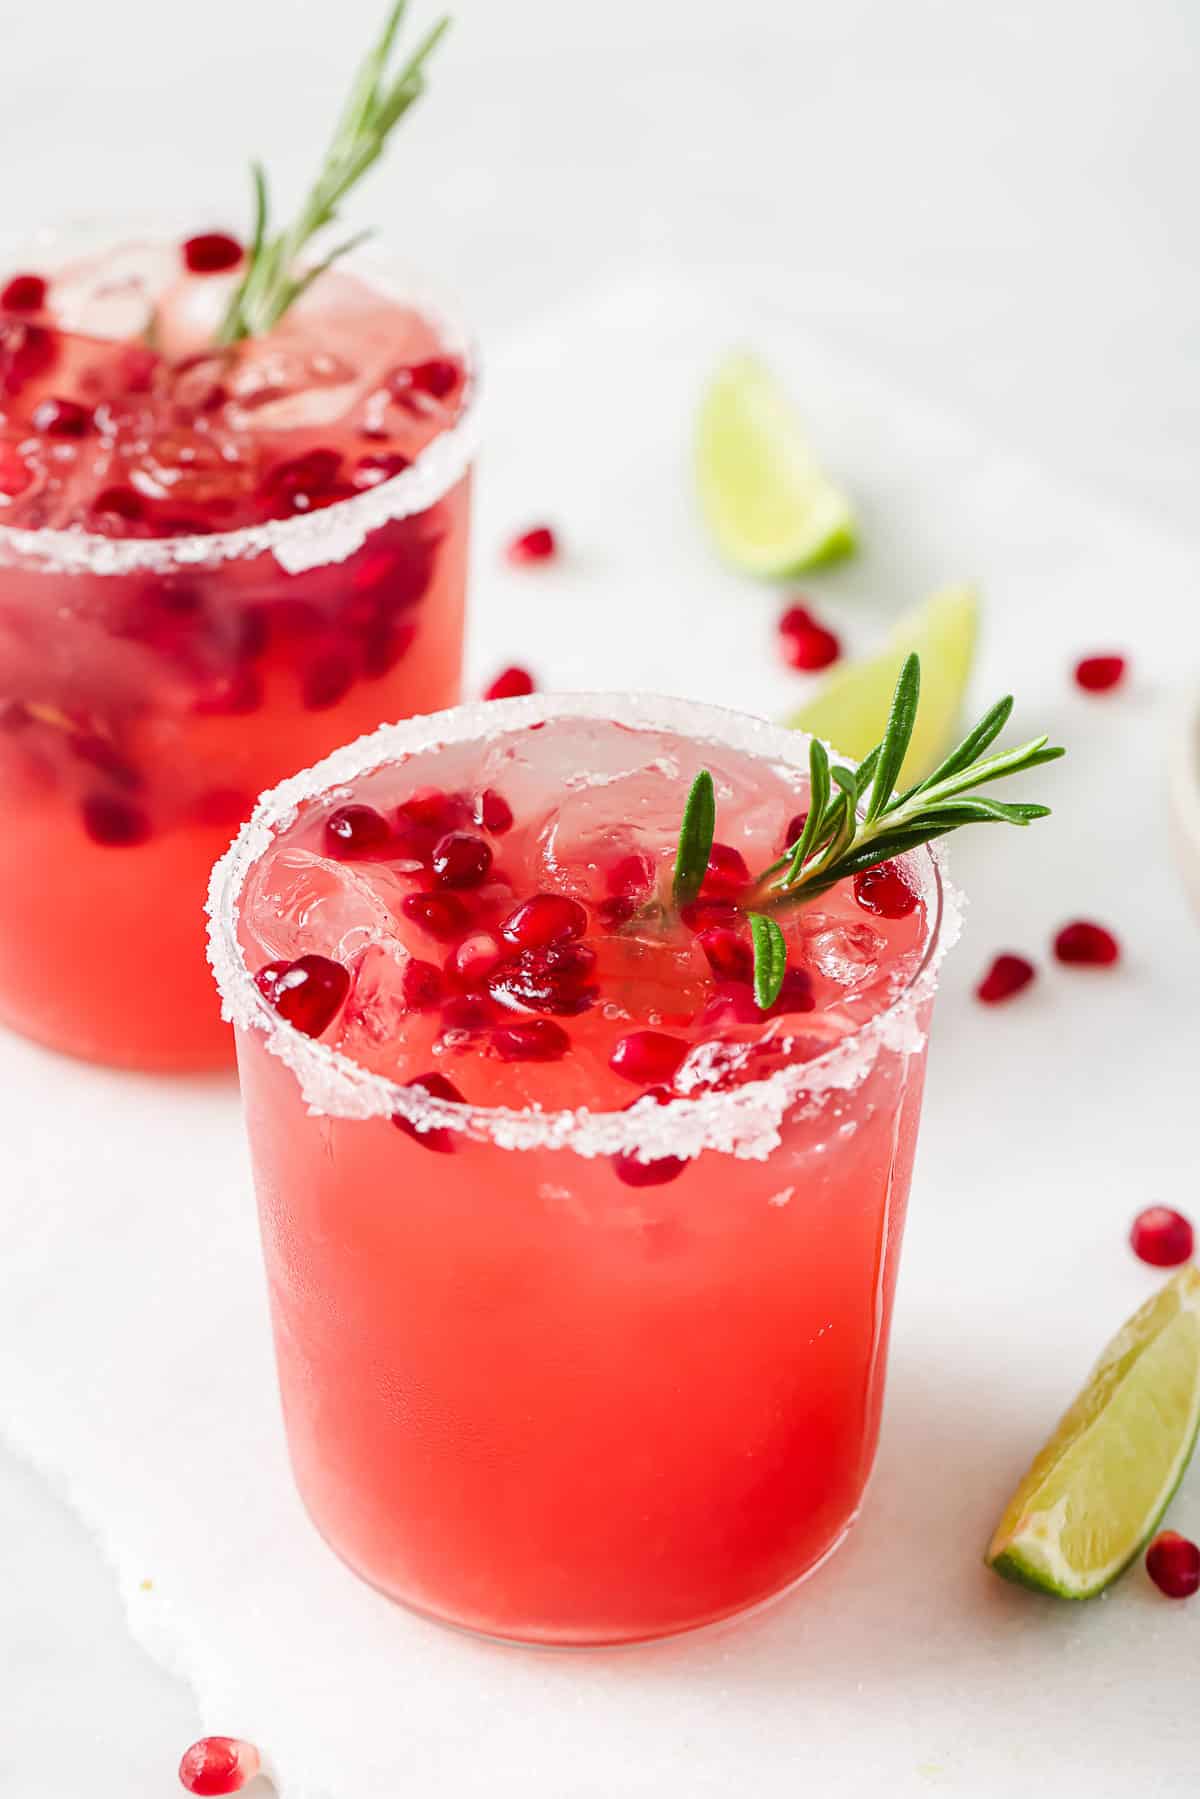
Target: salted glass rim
743	1121
309	540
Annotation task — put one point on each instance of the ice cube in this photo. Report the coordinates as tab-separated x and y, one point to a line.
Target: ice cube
115	294
846	950
299	903
375	1016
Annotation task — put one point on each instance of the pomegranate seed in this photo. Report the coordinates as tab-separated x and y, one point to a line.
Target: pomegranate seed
442	915
805	642
373	471
536	545
884	891
117	504
24	293
631	876
1173	1564
493	812
26	353
531	1040
703	914
510	684
648	1174
647	1057
795	995
1086	945
440	1139
422	985
616	911
546	918
1162	1237
437	810
326	682
1099	674
218	1765
469	1012
732	1003
556	978
727	875
729	956
211	253
461	860
795	830
438	378
15	474
354	831
627	1168
307	993
115	823
475	957
61	418
1007	975
303	481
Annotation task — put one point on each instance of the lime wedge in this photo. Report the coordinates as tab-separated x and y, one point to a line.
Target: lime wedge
851	710
770	508
1096	1492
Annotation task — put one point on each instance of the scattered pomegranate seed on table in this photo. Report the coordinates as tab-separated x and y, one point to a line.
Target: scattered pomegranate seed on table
218	1765
1083	944
1100	674
211	253
805	641
24	293
1162	1237
115	823
510	684
1006	977
538	544
1173	1564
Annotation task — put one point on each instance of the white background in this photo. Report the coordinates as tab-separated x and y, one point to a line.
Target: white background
994	209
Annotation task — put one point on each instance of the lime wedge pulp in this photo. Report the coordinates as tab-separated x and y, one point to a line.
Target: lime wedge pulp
1096	1492
851	710
769	507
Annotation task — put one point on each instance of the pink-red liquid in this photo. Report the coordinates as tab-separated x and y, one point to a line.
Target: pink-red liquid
147	698
549	1395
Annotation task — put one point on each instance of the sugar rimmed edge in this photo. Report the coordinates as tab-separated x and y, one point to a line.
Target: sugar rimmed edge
743	1122
311	540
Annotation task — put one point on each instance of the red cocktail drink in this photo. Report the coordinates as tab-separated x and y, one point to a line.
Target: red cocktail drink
216	563
581	1262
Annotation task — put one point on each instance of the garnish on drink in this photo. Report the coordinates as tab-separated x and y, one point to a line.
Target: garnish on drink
1096	1492
857	823
233	518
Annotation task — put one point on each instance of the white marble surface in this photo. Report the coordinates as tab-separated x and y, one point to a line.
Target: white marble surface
996	211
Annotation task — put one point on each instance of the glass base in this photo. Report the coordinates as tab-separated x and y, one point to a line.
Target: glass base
711	1625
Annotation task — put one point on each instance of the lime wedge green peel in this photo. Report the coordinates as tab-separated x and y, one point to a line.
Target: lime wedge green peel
1095	1494
851	710
771	510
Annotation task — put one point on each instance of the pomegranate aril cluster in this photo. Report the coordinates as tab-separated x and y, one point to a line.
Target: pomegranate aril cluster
805	642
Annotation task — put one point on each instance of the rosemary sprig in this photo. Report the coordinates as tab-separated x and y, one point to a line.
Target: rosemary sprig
856	819
274	277
695	839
